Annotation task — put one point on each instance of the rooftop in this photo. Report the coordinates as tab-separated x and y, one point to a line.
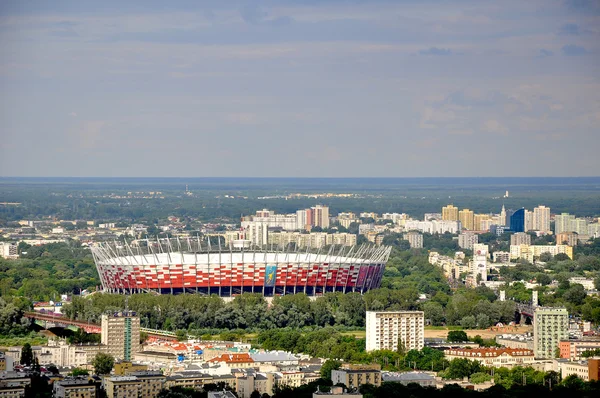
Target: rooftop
233	358
489	352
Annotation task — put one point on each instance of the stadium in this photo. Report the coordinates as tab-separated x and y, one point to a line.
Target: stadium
171	266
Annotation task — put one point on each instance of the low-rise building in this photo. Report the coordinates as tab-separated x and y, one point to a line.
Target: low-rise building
493	357
221	394
517	341
122	387
338	392
580	369
151	382
261	382
424	379
354	376
74	387
242	360
533	252
573	349
13	384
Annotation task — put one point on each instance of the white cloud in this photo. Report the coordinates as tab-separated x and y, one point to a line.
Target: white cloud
494	126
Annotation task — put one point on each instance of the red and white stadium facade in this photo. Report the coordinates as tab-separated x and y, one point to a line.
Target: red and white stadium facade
189	266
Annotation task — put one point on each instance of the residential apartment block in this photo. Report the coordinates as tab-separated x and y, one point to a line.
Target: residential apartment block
550	326
386	329
121	334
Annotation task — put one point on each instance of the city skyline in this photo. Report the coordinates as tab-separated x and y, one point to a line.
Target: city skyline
300	88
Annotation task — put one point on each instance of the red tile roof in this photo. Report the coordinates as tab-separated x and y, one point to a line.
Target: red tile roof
233	358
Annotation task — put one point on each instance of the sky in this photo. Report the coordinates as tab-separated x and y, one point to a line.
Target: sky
300	88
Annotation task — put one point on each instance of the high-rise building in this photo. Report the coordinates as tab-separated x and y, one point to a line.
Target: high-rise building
550	326
528	226
479	262
563	223
321	216
415	239
517	221
121	334
466	218
450	213
480	222
541	219
386	329
503	220
520	238
466	240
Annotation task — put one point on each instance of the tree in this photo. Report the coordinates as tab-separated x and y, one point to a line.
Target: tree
434	312
480	377
575	294
461	367
457	336
79	372
103	363
181	335
255	394
543	279
483	321
26	355
401	346
468	322
328	366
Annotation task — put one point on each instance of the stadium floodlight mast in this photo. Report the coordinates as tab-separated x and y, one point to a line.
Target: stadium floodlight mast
165	265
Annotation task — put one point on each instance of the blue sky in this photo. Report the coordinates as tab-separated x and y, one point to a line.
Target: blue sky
327	88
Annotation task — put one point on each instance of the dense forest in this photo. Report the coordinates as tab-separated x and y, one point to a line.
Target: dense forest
96	199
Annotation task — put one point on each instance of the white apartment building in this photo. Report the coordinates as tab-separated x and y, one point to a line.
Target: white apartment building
395	217
478	265
466	240
566	222
541	219
550	326
320	216
531	252
9	250
415	239
434	226
256	232
385	329
313	240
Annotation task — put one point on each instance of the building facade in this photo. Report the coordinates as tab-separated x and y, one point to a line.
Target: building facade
387	329
121	334
415	239
354	376
550	326
466	218
493	357
450	213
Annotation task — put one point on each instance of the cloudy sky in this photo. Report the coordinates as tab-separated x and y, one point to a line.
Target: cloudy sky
328	88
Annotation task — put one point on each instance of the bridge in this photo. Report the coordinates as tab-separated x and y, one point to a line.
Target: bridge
525	312
48	319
